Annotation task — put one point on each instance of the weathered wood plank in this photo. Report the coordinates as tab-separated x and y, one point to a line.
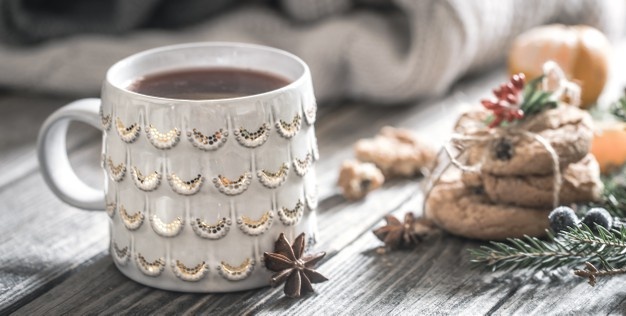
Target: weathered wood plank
44	239
338	228
422	281
538	294
37	250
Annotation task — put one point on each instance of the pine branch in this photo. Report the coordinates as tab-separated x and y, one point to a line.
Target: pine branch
608	246
569	249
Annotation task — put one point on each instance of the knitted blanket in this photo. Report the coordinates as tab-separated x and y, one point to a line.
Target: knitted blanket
382	51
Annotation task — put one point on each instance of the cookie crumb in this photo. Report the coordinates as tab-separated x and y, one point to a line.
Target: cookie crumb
396	152
356	179
424	227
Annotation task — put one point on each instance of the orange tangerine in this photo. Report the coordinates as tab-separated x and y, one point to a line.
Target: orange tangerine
609	145
581	51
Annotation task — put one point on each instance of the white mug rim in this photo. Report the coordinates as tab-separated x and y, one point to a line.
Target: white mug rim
125	62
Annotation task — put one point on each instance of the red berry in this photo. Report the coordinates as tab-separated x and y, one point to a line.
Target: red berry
518	80
505	106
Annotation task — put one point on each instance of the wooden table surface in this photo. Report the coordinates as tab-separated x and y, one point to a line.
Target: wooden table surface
54	258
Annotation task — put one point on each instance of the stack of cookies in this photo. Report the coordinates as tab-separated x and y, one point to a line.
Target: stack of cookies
511	189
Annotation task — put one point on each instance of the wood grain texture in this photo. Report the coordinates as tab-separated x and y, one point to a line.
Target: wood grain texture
44	239
36	246
54	257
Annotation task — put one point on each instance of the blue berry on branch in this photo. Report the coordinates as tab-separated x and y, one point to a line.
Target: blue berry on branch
598	216
562	218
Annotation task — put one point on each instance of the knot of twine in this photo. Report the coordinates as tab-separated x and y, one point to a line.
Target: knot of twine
463	142
554	80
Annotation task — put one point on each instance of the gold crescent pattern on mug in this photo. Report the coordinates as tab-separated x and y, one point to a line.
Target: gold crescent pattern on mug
117	172
289	130
127	134
162	140
105	120
153	268
252	140
293	216
211	231
255	227
273	179
185	187
120	256
301	166
233	187
170	229
110	208
310	114
132	222
236	273
145	183
207	143
192	274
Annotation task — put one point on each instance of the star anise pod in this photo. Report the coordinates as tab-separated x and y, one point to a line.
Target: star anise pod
293	267
399	235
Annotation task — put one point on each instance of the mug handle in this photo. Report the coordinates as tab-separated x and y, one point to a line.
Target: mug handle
54	162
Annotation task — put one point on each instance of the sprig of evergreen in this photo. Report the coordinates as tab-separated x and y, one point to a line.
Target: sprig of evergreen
578	246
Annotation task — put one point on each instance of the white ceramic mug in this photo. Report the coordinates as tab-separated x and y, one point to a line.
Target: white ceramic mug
196	190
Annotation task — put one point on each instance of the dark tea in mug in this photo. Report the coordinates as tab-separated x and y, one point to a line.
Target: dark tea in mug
207	83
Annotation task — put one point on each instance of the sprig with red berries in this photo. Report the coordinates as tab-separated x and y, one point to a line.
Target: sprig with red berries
514	100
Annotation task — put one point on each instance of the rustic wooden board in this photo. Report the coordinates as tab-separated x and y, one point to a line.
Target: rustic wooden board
54	257
98	280
44	239
435	278
36	250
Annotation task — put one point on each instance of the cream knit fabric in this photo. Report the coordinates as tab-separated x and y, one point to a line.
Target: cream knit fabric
359	51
